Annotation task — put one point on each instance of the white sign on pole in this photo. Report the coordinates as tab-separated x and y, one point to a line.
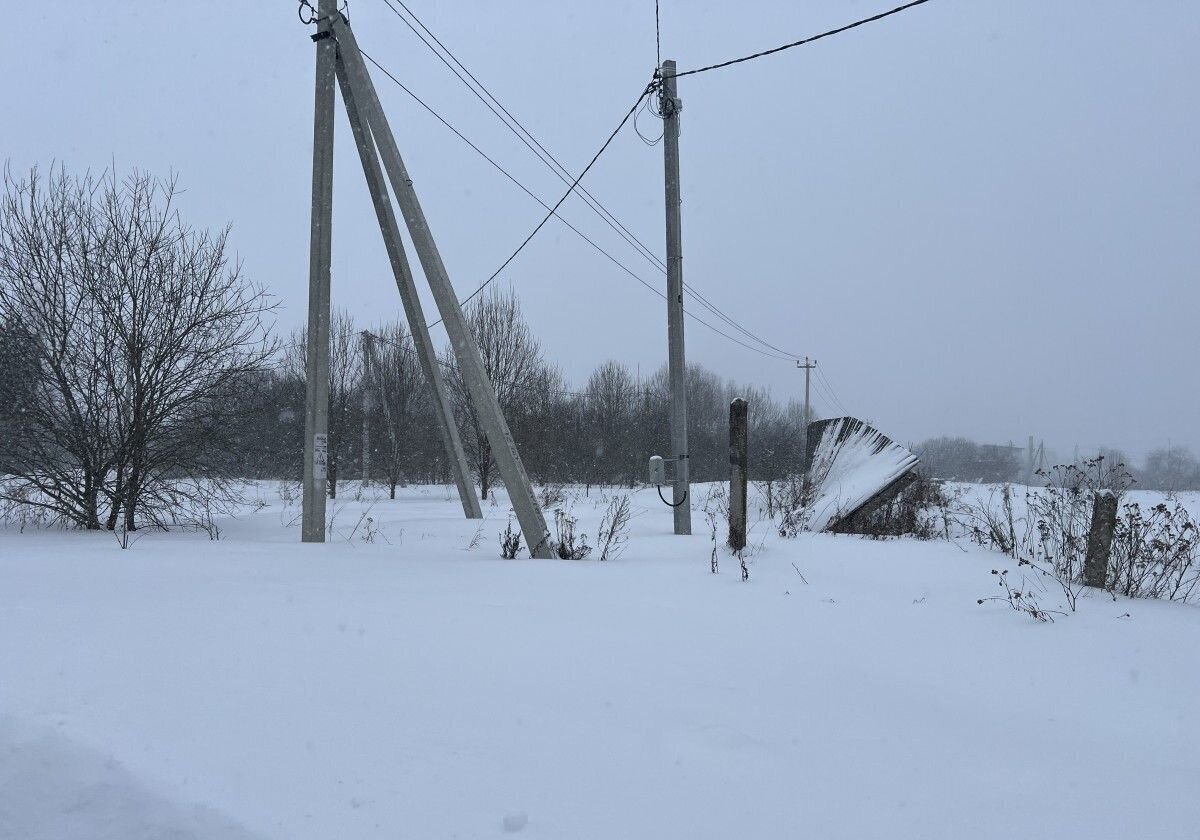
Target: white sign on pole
320	456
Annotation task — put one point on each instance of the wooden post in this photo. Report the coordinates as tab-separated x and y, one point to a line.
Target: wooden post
1100	535
738	464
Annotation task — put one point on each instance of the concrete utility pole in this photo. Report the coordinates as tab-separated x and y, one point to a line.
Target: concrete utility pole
366	407
670	106
456	457
466	350
808	367
316	395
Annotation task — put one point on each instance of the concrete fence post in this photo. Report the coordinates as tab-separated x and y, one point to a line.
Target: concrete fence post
1100	536
738	463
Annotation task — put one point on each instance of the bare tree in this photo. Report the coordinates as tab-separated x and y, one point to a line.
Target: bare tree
401	400
1173	468
513	360
140	325
610	400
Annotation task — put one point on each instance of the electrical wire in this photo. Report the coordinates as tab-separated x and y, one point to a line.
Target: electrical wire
574	229
502	170
515	126
657	38
408	348
825	379
555	166
557	204
803	41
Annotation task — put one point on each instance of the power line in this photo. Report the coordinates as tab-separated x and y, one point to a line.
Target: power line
829	385
826	397
558	203
408	348
516	127
547	157
506	174
804	41
574	229
657	38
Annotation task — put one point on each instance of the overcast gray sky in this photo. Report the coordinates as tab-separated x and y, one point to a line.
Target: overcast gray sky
980	217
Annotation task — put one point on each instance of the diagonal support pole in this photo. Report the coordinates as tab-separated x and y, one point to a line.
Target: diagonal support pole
447	430
466	350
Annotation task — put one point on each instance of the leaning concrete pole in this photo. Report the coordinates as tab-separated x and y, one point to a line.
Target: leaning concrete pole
426	353
466	350
676	360
316	395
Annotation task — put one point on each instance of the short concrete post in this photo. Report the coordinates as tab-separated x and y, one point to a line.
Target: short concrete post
738	461
1100	536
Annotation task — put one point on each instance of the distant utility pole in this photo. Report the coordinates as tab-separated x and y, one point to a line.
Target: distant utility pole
366	408
807	366
1029	455
316	402
670	106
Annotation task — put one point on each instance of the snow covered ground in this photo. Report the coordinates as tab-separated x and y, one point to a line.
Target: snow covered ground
415	687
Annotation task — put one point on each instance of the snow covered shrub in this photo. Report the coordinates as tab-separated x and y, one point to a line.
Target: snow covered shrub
1023	600
717	501
714	562
551	496
370	530
767	507
614	528
569	545
206	521
476	538
510	542
1061	515
1154	553
919	510
794	501
990	522
19	506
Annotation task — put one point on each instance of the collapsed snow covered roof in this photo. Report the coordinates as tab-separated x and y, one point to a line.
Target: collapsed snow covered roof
853	468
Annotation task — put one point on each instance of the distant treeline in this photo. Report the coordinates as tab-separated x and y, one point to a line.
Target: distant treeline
602	432
960	459
139	373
